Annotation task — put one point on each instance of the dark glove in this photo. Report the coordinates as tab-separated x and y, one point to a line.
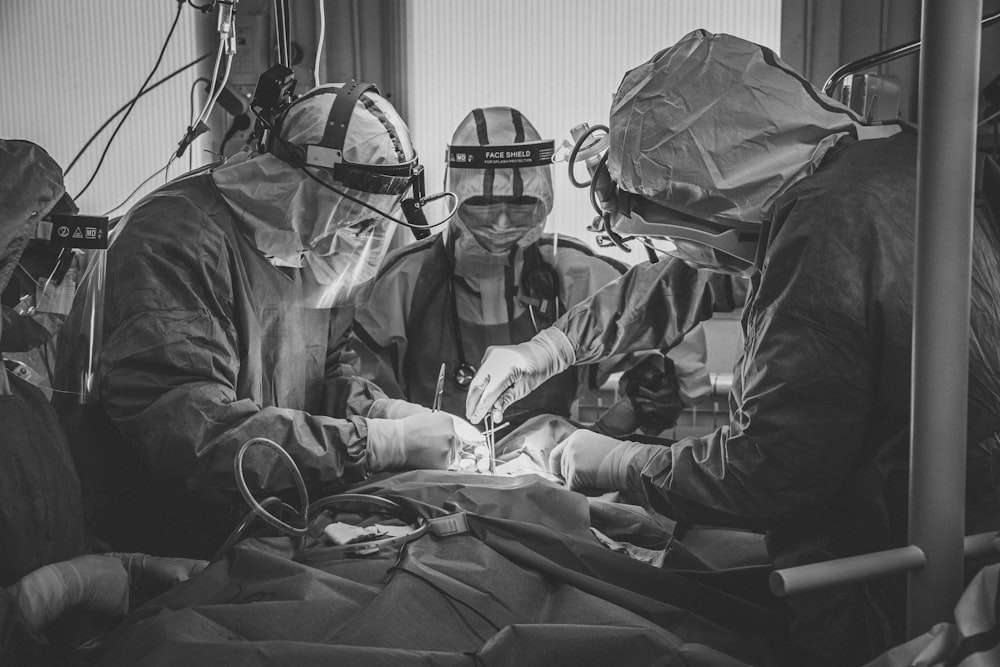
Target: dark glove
652	388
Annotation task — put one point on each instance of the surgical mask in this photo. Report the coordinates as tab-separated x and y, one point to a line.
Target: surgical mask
498	223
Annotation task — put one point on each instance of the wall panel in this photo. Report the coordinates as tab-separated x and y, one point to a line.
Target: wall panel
66	66
558	61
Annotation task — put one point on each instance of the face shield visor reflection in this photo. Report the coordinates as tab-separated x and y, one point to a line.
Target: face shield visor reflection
498	223
344	272
81	336
701	256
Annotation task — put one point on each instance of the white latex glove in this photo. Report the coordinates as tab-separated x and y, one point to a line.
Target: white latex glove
95	582
468	434
394	408
422	441
510	372
588	460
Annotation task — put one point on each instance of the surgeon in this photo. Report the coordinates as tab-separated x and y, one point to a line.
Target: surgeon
230	295
727	159
46	568
492	277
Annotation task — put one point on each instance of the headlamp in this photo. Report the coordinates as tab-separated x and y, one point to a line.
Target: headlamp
272	99
65	230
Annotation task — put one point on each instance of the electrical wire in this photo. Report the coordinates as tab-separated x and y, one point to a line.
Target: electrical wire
138	187
191	97
576	151
300	485
215	78
221	86
111	118
322	38
121	122
448	596
989	119
303	168
280	8
191	112
237	532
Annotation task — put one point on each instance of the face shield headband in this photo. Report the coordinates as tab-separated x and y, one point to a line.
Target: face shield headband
496	156
479	213
623	216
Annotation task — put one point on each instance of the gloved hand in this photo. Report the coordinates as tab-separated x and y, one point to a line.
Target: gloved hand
394	408
654	392
95	582
422	441
510	372
149	576
588	460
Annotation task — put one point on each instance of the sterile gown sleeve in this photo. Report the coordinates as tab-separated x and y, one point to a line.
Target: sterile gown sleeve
347	392
805	386
177	379
380	336
649	308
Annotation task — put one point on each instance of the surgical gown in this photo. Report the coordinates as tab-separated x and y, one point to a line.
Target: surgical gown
817	446
422	295
206	345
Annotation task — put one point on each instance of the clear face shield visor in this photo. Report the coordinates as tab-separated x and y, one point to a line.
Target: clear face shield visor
729	247
498	223
80	336
344	273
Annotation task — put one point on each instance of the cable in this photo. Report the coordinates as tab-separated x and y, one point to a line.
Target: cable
448	596
992	117
125	106
215	78
576	151
383	213
148	179
280	8
240	123
244	524
204	9
191	112
218	91
322	38
159	59
290	150
300	485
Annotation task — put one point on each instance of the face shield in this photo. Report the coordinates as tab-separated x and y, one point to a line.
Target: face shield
344	273
500	171
56	260
724	248
325	193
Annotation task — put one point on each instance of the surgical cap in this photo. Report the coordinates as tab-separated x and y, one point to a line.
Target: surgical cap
718	127
287	213
31	184
499	126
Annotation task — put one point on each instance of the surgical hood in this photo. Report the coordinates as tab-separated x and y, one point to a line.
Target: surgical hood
717	127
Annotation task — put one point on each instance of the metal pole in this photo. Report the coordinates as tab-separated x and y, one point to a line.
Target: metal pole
830	573
817	576
861	64
949	74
